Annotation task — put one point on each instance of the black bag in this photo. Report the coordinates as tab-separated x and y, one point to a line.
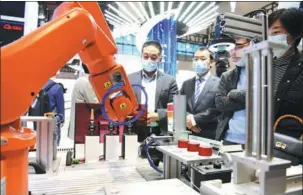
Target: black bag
41	104
287	147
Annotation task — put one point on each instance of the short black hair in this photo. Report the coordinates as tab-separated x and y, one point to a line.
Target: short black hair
153	43
210	52
85	68
291	19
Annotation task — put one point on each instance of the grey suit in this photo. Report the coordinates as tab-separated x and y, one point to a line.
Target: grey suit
204	111
228	100
166	87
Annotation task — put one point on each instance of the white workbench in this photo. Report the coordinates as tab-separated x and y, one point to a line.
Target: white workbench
100	179
169	186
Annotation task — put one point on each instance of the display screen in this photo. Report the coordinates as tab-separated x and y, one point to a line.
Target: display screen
10	31
12	8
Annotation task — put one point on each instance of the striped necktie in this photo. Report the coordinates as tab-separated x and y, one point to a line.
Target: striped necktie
198	88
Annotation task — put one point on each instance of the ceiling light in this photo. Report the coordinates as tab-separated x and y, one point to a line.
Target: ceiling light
114	23
120	13
179	9
205	10
193	30
193	12
115	16
162	6
151	9
143	10
205	20
137	11
232	6
114	19
127	12
170	5
186	11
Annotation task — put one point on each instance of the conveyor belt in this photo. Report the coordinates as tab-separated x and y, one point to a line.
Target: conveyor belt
83	179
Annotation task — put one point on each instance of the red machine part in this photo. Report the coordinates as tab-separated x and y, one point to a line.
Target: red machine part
205	151
193	147
182	143
170	107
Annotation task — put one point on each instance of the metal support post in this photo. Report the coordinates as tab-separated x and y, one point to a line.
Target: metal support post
258	91
270	113
249	106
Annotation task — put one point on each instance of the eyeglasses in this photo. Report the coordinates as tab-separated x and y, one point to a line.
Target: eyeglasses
241	45
153	57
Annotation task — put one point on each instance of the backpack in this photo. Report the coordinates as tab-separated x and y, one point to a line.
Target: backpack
41	105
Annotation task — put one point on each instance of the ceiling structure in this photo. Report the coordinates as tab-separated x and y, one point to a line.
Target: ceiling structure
192	17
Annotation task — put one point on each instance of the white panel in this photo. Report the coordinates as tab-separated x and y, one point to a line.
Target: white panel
30	17
112	148
92	149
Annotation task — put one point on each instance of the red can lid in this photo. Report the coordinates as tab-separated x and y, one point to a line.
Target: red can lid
170	106
205	151
193	146
182	143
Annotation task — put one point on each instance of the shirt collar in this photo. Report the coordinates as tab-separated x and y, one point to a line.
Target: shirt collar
154	76
205	77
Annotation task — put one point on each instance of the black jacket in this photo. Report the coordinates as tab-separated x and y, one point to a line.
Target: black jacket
289	98
228	105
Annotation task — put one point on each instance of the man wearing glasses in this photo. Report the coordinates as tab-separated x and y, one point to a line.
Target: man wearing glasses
160	88
200	91
230	99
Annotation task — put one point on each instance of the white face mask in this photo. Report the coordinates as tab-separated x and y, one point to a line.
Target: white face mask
149	65
200	67
280	39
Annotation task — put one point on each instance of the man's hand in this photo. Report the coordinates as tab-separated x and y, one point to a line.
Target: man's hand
189	122
191	126
152	117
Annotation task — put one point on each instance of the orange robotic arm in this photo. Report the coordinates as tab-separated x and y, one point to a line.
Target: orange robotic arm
77	27
27	64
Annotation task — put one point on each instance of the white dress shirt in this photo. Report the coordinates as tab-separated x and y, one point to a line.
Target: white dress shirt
150	84
205	77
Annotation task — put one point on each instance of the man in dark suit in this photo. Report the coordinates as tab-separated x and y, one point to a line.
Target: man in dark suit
160	87
200	94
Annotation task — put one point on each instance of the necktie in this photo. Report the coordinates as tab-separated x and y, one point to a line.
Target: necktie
198	89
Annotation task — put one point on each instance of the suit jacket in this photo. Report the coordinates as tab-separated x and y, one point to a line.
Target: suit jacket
204	111
228	105
166	88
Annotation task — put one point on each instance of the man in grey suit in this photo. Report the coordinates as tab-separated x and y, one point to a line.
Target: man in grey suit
200	91
160	87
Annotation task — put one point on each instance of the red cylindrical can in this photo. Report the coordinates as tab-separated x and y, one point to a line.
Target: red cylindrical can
205	151
193	146
182	143
170	107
